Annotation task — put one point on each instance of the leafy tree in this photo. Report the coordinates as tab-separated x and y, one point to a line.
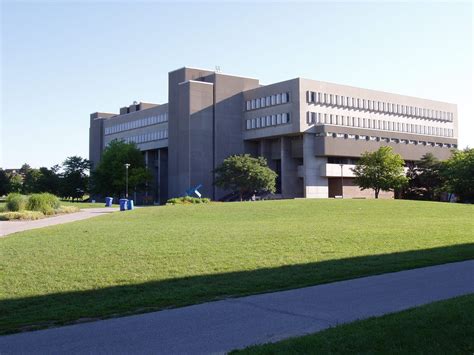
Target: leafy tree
15	183
49	180
4	183
381	170
424	179
244	173
75	180
108	179
30	180
429	175
458	172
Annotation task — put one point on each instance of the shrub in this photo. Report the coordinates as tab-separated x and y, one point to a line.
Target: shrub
187	200
21	215
44	202
67	209
16	202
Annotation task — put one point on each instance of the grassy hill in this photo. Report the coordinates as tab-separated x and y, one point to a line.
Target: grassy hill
158	257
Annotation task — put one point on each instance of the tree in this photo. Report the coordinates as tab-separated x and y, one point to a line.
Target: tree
243	173
458	172
381	170
429	175
108	179
30	180
75	180
4	183
49	180
15	183
424	178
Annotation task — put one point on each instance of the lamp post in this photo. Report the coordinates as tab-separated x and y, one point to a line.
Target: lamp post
342	181
126	179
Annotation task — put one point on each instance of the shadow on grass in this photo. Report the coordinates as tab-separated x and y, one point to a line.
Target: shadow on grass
69	307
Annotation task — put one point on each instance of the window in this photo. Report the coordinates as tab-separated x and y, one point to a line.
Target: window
273	99
286	97
274	120
267	101
269	120
257	103
278	99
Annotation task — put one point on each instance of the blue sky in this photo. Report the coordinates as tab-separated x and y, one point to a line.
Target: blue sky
61	61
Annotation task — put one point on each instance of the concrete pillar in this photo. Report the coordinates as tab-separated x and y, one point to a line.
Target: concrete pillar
290	184
315	186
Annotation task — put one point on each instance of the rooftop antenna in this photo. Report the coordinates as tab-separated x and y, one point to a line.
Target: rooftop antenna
218	69
135	102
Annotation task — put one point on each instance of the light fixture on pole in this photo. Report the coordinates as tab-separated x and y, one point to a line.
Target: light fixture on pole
342	181
126	179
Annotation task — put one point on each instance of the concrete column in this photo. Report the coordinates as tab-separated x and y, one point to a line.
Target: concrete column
290	184
315	186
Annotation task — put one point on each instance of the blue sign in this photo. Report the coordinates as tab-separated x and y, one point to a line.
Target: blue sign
194	191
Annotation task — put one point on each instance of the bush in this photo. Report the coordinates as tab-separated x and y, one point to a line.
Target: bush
22	215
67	209
16	202
187	200
44	202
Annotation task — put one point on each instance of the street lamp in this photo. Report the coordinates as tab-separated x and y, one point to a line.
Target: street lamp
342	181
126	179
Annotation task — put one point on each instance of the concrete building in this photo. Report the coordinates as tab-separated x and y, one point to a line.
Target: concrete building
305	128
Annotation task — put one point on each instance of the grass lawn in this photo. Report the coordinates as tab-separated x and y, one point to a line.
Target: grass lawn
444	327
84	204
158	257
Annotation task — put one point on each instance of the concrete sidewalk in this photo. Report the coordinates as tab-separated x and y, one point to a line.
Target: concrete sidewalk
218	327
10	227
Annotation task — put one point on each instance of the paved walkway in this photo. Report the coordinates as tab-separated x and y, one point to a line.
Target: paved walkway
9	227
218	327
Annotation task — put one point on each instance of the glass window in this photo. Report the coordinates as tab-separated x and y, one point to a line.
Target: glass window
267	101
278	99
269	120
278	118
284	97
273	120
273	99
247	103
344	101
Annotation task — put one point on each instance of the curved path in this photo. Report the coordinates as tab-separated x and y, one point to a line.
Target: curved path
218	327
9	227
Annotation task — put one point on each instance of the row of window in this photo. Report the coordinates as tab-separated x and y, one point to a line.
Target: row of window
148	137
378	106
261	102
384	139
361	122
267	121
142	122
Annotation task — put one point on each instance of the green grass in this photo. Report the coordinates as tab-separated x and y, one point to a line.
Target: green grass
445	327
69	203
159	257
84	204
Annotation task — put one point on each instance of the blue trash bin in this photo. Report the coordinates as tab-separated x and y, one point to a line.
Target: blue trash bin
108	201
130	205
123	204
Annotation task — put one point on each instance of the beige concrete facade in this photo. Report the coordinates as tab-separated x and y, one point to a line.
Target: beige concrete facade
304	128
